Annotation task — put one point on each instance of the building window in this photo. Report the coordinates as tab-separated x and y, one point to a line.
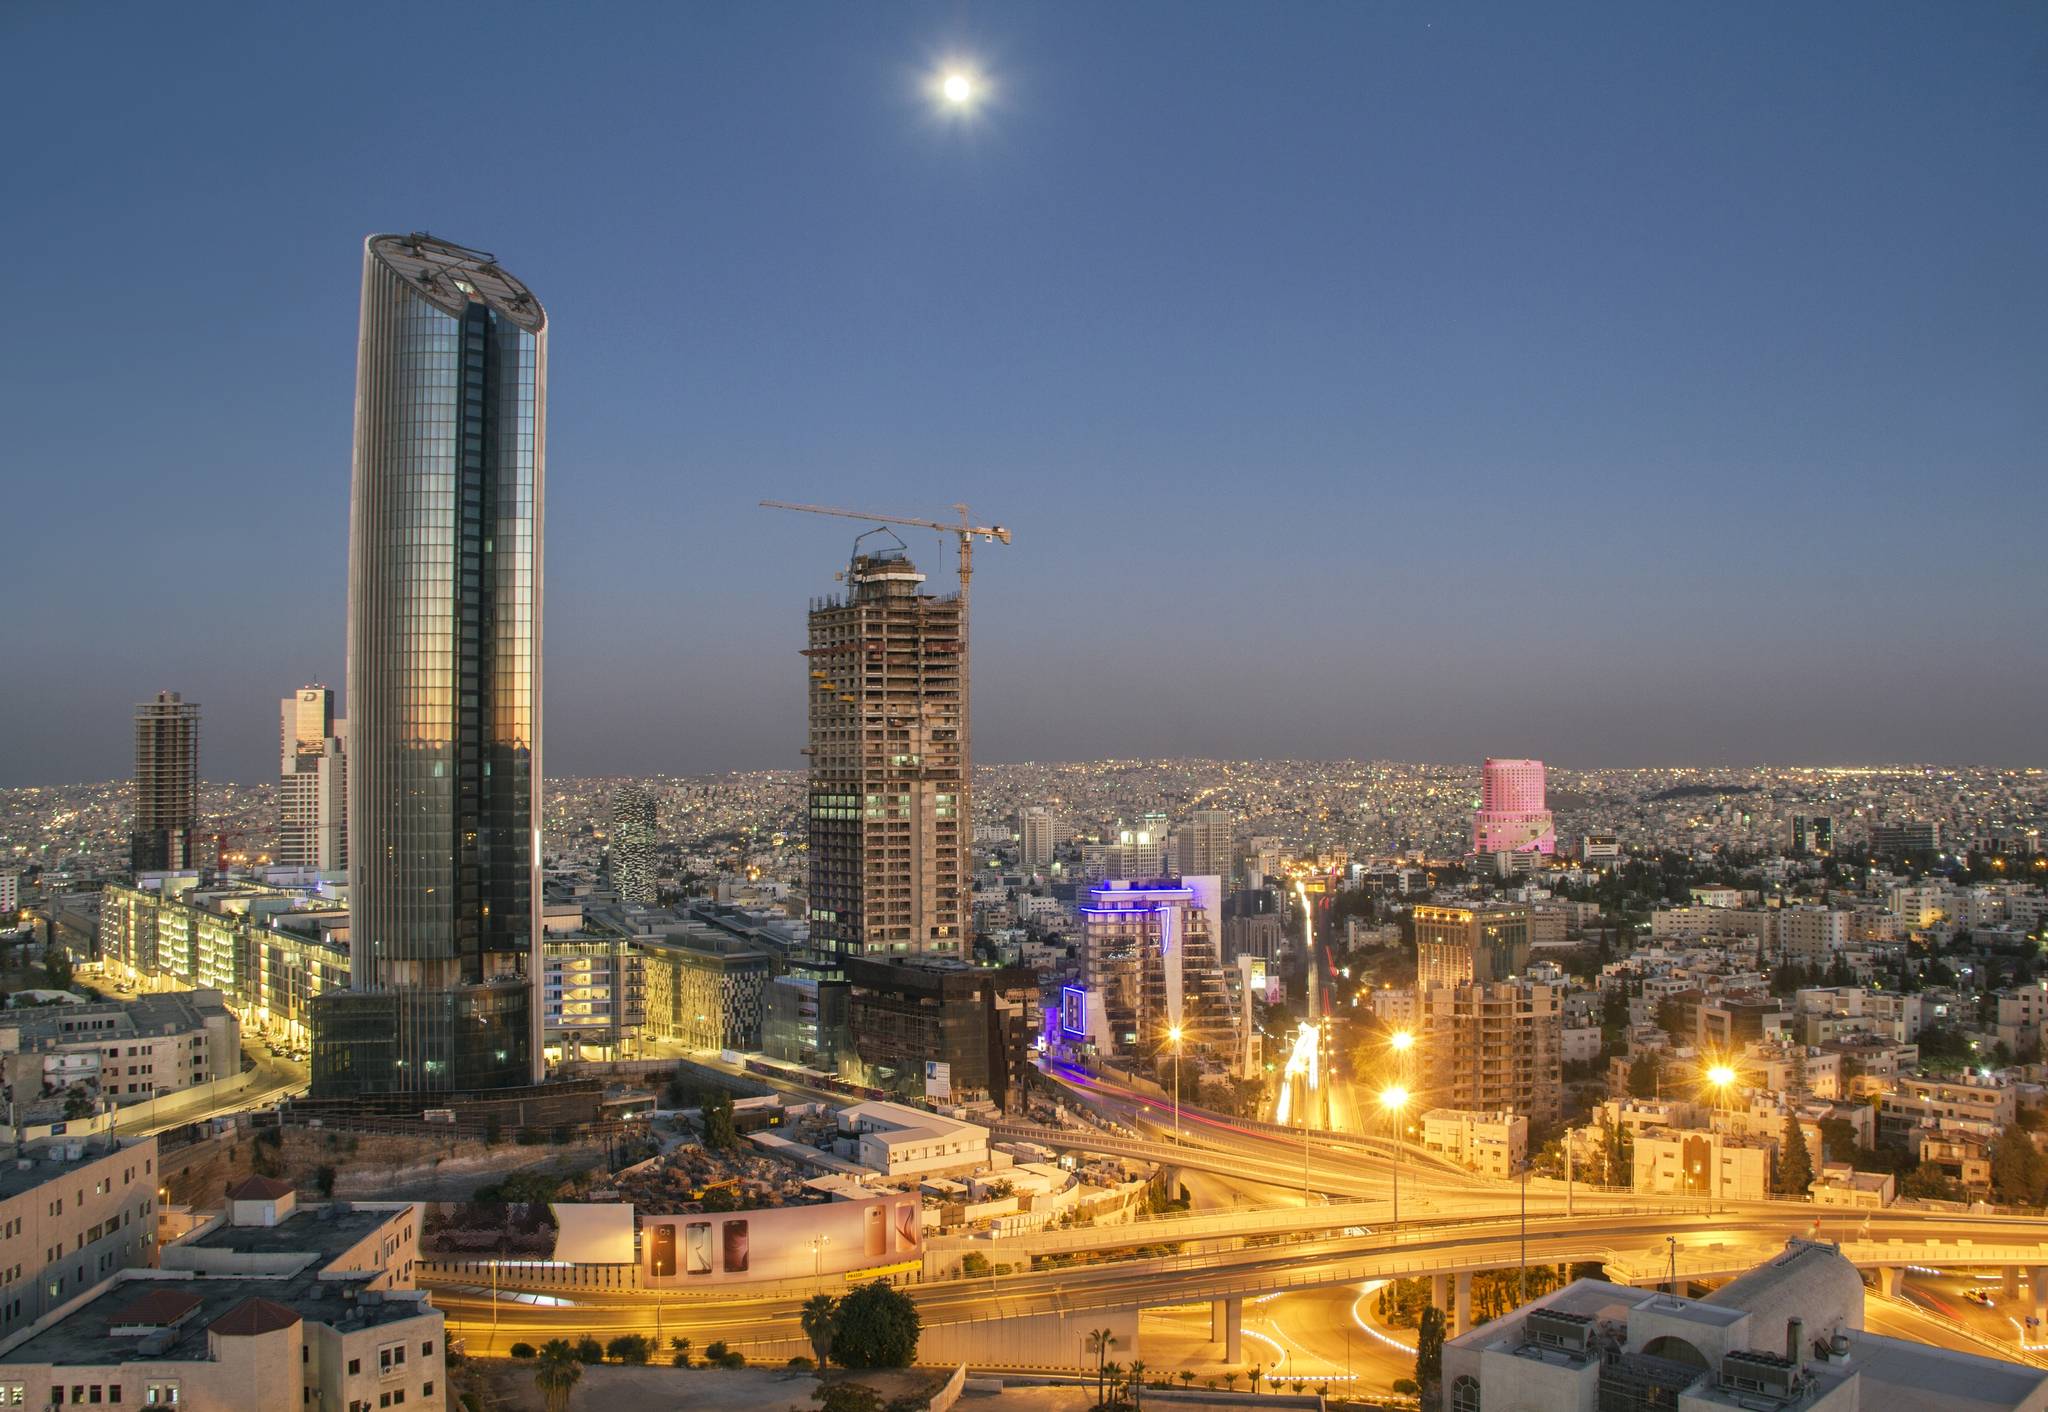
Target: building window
1465	1395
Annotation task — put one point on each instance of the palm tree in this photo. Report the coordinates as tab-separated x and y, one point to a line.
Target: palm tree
556	1372
820	1320
1230	1380
1187	1377
1100	1341
1115	1372
1256	1373
1297	1385
1137	1384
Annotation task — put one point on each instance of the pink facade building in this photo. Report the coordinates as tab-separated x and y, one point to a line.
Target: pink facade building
1511	817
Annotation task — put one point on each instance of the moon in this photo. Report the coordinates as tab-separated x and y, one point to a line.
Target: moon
958	89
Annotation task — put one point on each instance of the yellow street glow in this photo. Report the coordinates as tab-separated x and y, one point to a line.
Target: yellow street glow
1394	1099
1402	1040
1720	1076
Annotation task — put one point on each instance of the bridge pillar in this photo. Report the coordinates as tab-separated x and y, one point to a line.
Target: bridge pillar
1463	1321
2011	1287
1440	1295
2037	1287
1233	1329
1888	1279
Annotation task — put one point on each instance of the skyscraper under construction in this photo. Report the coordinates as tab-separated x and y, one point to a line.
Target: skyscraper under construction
889	758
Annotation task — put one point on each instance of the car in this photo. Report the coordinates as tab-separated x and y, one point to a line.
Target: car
1980	1296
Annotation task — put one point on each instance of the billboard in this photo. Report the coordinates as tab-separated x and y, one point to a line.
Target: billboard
784	1243
938	1079
1073	1012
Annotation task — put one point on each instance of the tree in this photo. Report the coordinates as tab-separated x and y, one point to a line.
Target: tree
682	1351
589	1350
877	1328
720	1132
1100	1341
820	1320
2018	1169
557	1372
1254	1377
57	967
630	1348
1138	1371
1642	1077
1187	1377
1795	1163
1429	1352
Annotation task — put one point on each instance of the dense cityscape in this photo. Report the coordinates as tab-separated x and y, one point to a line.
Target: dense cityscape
414	1074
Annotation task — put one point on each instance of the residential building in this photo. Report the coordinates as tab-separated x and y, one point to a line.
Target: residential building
125	1051
1202	844
220	940
312	796
1458	944
1492	1144
1512	817
263	1306
889	790
1034	838
706	990
630	843
10	893
1495	1047
166	784
807	1020
1812	936
1813	835
71	1214
444	681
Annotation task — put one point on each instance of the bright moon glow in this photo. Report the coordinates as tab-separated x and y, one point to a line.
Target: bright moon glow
958	88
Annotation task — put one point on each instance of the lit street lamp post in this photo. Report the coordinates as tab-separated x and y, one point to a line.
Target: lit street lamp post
1393	1099
1174	1034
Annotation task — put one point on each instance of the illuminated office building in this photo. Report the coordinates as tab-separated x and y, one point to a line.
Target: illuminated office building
1458	944
166	783
444	670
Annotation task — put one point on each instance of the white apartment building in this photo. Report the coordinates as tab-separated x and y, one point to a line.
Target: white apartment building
1492	1144
1811	936
896	1140
257	1308
71	1214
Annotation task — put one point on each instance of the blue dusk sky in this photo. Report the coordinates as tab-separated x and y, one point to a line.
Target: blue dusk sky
1617	384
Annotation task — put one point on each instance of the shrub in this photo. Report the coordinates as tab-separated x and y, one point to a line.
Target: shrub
630	1348
1406	1387
522	1350
589	1350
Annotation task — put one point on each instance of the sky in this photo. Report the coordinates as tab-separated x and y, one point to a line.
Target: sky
1614	384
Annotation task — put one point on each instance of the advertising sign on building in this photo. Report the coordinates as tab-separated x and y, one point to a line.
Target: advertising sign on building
938	1079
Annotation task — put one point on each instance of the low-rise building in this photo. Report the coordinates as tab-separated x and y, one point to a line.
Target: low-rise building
70	1215
1703	1162
900	1141
1492	1144
593	992
126	1051
1787	1334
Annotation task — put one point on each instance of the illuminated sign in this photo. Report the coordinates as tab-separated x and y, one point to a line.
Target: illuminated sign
1074	1012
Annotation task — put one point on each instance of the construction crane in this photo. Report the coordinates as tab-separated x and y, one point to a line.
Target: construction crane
968	532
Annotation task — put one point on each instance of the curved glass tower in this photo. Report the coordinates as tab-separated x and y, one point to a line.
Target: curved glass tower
444	802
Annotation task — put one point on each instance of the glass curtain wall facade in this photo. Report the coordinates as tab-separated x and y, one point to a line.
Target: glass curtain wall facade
443	680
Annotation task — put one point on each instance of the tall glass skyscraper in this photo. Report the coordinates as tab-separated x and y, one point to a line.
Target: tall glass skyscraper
443	680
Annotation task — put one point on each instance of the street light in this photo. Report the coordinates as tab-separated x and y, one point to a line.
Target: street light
1174	1033
1393	1098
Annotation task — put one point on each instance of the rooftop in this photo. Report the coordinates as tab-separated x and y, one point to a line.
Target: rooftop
325	1231
448	276
26	1173
106	1330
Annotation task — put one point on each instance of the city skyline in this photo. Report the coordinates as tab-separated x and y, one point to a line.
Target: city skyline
1390	346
